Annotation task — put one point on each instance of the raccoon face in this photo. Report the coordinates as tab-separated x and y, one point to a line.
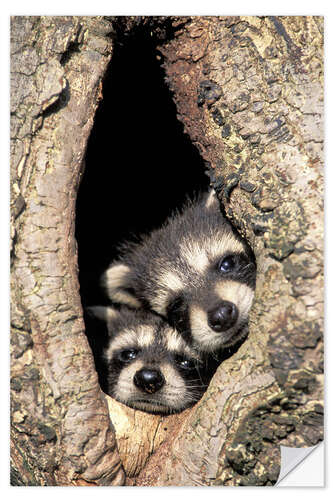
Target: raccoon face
195	272
213	311
149	366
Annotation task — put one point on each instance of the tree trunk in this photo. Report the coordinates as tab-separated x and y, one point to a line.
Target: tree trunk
61	432
249	92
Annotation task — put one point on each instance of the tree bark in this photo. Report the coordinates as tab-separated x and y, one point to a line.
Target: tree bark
249	91
61	432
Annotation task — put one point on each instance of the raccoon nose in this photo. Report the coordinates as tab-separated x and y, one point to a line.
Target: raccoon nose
148	380
223	317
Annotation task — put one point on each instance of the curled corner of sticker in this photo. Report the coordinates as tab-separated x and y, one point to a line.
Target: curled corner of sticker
292	457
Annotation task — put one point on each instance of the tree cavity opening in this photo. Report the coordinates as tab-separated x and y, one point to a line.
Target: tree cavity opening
139	166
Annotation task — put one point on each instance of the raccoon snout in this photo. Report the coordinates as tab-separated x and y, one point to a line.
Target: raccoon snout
148	380
223	317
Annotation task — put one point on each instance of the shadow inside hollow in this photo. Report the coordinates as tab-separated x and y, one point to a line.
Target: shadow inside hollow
140	165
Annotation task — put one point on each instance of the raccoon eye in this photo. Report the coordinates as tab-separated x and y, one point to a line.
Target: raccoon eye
127	355
185	363
227	264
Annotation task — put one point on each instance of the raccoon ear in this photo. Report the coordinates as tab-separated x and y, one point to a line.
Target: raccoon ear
105	313
212	200
117	282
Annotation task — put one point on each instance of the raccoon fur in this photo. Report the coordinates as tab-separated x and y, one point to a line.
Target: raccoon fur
195	271
148	364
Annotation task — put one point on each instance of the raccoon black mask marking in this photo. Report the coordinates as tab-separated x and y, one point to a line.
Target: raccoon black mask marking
195	271
149	365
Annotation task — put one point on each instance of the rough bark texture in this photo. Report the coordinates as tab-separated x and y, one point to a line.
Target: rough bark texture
249	92
61	432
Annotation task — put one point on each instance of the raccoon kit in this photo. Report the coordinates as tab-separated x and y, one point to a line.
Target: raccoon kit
148	364
195	272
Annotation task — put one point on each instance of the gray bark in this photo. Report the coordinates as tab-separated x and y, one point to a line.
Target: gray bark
61	431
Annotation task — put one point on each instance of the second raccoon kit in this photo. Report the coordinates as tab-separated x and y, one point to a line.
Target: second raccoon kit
195	272
148	365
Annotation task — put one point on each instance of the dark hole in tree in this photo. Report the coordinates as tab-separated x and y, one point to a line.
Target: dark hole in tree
140	165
